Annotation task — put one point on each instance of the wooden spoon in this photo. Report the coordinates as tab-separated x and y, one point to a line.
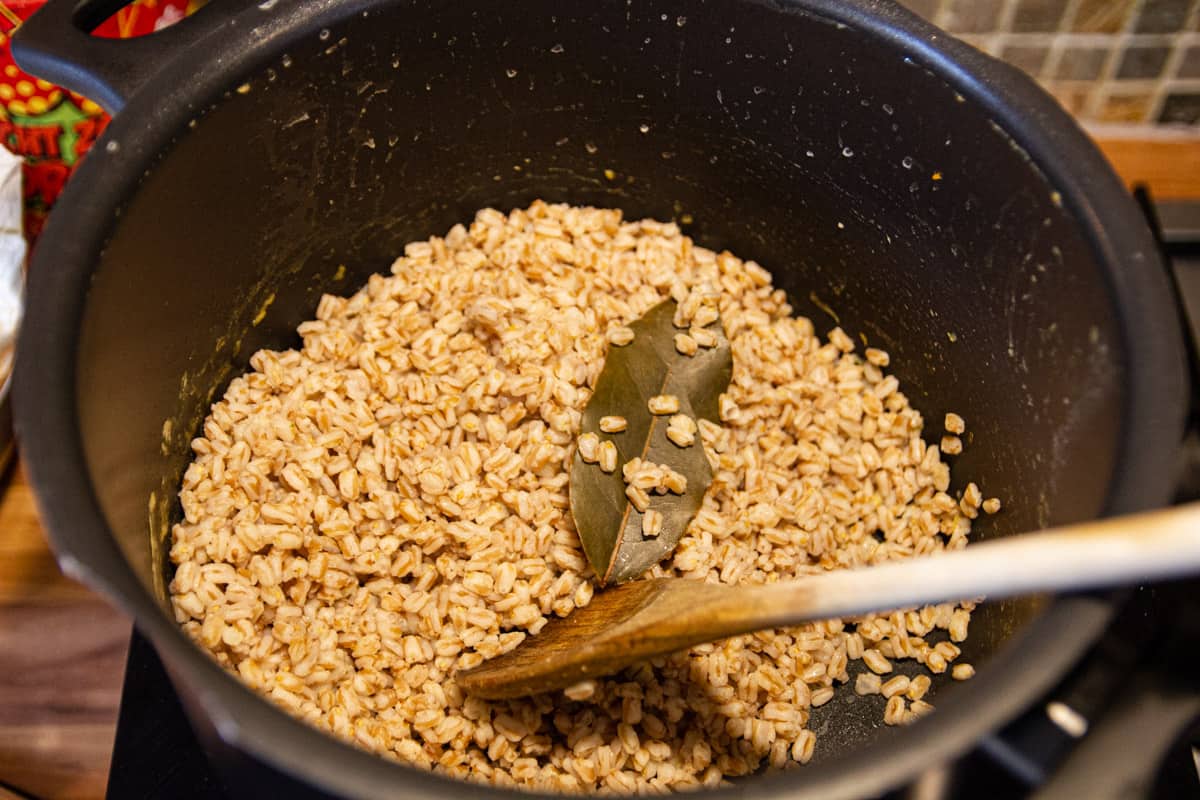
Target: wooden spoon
643	619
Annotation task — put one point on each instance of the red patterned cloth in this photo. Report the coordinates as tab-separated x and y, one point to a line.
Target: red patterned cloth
50	127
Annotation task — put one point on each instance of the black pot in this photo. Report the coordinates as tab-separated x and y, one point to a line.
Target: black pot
934	199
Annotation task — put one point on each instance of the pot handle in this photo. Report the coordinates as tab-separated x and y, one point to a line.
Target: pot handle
56	44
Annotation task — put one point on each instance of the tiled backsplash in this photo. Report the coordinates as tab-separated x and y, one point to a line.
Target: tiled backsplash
1107	61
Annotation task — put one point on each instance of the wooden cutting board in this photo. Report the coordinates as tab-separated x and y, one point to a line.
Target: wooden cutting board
62	649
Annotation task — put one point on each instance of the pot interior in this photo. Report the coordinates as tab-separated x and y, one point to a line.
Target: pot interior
873	191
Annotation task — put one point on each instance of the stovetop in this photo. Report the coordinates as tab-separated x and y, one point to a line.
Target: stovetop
1124	723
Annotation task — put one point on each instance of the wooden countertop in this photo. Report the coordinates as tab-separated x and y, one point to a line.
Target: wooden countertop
62	649
62	658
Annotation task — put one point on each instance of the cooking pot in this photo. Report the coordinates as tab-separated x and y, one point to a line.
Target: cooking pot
929	199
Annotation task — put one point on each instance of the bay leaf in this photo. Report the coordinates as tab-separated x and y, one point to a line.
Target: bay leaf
609	526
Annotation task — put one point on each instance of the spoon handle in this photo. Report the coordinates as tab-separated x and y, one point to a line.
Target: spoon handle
1120	550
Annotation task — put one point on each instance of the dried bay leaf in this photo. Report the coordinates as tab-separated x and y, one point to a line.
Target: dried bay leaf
609	526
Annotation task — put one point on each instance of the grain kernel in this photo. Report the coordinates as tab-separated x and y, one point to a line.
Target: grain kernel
663	404
704	337
867	683
607	456
589	447
637	497
613	424
951	445
685	344
620	335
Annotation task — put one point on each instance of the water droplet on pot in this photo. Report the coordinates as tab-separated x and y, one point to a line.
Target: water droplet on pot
841	226
759	89
644	128
286	61
847	152
907	162
680	22
887	109
324	34
591	148
558	48
510	72
809	153
113	146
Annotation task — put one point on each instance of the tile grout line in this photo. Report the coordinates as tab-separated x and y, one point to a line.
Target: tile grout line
1118	43
1035	38
1169	82
1150	93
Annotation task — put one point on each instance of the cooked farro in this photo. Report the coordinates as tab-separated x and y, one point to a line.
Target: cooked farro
588	444
620	335
652	522
867	683
703	337
951	445
894	686
962	672
608	456
663	404
893	712
917	687
613	424
387	504
682	430
686	344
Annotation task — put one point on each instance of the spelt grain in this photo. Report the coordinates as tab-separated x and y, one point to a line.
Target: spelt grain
685	344
867	683
664	404
388	503
613	424
607	456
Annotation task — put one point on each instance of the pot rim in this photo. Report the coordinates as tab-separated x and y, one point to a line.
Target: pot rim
48	426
